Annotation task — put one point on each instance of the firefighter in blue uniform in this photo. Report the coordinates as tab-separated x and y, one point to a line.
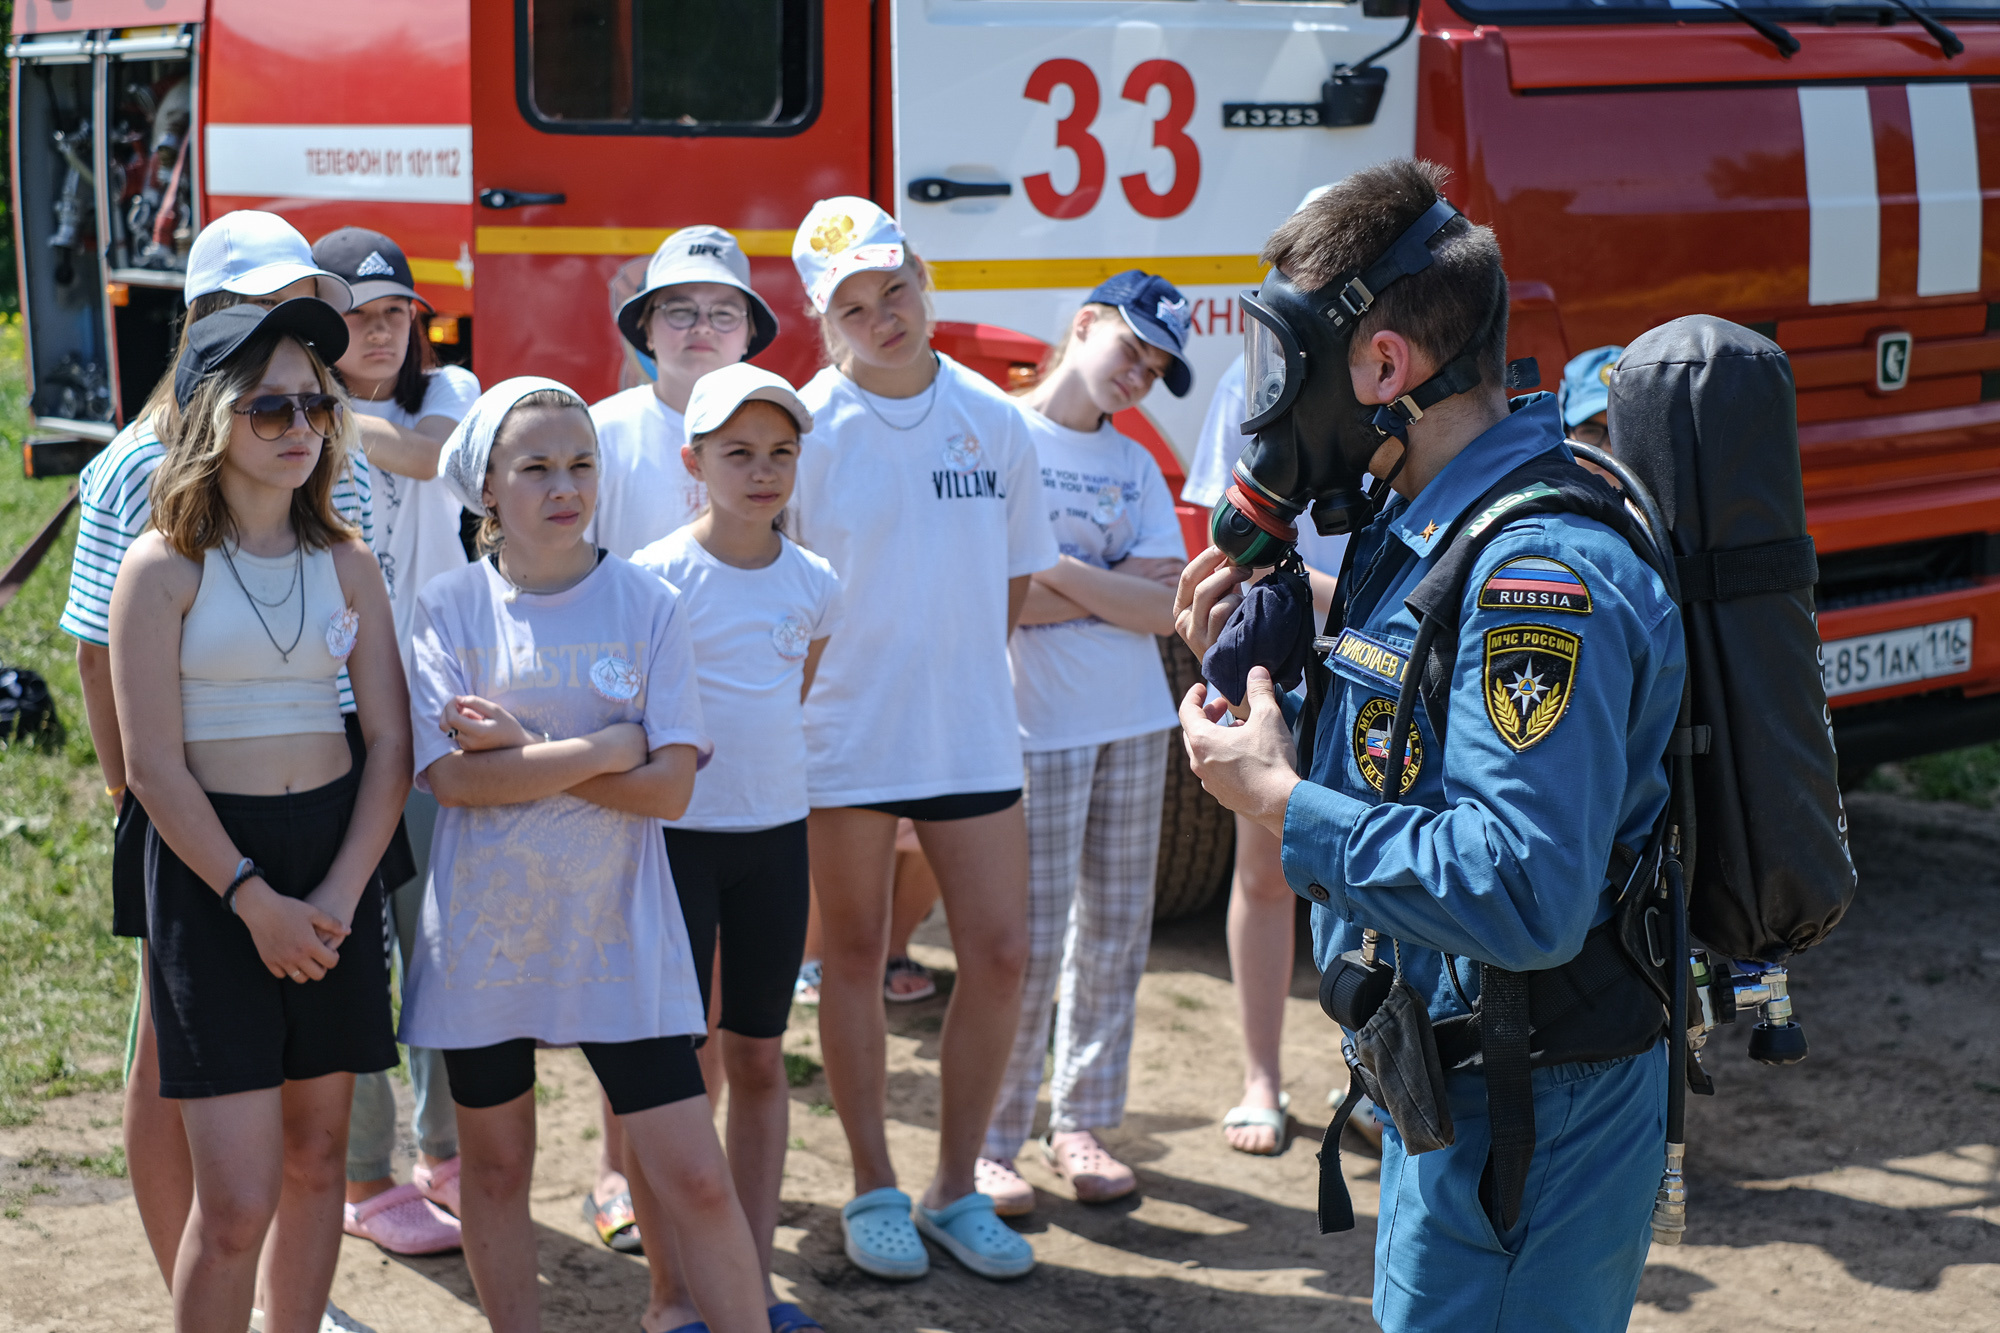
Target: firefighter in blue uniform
1563	692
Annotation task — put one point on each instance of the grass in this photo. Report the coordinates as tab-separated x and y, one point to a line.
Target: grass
1970	776
65	981
800	1069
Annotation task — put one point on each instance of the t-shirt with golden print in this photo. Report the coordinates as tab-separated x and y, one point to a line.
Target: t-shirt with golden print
554	919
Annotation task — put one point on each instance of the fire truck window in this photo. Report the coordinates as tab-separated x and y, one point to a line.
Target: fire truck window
671	66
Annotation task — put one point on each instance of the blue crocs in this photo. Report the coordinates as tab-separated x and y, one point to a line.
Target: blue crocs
880	1238
974	1235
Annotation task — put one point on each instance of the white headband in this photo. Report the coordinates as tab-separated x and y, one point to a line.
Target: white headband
462	462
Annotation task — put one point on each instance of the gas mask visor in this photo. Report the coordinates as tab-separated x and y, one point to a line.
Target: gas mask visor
1313	438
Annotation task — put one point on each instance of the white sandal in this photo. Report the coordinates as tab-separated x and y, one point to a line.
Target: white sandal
1244	1117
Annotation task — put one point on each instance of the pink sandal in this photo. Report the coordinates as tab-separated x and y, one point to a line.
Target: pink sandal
402	1221
1012	1195
439	1183
1091	1170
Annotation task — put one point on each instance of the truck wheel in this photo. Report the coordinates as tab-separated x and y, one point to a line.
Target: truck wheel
1197	836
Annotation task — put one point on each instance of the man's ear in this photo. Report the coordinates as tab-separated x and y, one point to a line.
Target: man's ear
1386	365
691	461
1082	323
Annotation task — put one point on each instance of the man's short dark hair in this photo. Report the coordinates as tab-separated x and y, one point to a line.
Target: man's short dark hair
1441	309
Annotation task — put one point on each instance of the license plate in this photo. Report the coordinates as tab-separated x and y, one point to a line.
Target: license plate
1897	656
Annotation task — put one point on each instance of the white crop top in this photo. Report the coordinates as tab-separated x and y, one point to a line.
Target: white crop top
235	681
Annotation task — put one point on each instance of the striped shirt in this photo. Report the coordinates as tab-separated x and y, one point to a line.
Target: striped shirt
115	501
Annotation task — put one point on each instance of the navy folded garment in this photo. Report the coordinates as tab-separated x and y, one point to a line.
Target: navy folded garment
1272	628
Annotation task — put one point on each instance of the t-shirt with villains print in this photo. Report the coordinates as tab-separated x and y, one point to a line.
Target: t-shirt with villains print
925	507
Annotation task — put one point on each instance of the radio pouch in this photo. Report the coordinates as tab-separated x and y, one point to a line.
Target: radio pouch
1393	1061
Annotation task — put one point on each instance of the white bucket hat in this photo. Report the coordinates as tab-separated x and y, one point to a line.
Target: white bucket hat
254	254
841	237
719	393
699	254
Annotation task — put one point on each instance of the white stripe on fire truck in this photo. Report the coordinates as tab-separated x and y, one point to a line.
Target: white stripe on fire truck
1948	200
1846	211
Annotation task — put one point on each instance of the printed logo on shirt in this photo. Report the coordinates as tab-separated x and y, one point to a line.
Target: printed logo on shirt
373	266
1530	675
1110	504
1371	746
1535	581
614	678
965	475
342	628
792	637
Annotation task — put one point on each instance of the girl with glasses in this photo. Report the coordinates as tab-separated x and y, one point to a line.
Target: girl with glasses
268	975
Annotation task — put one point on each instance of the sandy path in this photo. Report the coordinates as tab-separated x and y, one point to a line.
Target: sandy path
1859	1190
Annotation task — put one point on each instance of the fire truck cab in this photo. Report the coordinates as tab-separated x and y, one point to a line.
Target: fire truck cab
1820	175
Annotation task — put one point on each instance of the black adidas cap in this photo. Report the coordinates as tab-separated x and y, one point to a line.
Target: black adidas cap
215	341
372	264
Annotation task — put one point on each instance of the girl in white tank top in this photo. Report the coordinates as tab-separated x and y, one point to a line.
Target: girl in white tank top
266	971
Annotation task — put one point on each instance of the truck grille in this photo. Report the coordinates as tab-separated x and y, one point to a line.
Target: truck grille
1909	569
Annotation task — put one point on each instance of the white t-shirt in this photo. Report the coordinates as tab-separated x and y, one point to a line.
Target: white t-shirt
1215	454
555	919
643	491
416	522
751	630
925	527
1088	682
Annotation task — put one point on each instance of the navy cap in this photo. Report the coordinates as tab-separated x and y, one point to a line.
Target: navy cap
372	264
1586	387
213	342
1157	313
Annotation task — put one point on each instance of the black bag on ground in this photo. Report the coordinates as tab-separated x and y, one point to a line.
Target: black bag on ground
27	712
1702	412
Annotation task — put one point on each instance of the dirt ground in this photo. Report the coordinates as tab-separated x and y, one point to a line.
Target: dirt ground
1859	1190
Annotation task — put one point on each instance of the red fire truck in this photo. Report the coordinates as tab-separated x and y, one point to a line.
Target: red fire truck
1816	173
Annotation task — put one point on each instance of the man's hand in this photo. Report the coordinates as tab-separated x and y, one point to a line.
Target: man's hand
1209	591
1250	767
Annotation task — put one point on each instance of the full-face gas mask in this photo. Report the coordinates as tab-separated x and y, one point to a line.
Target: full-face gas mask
1314	438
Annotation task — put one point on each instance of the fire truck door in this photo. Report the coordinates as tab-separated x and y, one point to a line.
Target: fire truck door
598	126
1041	147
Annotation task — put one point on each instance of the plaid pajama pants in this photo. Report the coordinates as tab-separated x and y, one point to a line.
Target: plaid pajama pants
1093	844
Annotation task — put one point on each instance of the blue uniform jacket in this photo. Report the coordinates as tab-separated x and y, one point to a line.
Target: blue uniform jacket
1566	687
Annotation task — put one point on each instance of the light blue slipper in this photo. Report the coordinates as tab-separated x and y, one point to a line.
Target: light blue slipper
880	1237
973	1234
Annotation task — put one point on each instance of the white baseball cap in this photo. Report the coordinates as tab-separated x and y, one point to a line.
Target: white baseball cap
699	254
254	254
841	237
718	394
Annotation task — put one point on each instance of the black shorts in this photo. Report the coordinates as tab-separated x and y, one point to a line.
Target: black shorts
941	809
755	888
128	869
128	852
635	1075
225	1024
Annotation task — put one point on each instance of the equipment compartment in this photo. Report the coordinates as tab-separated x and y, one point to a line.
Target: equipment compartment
62	280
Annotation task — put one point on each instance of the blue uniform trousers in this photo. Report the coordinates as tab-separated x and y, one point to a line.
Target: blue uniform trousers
1573	1260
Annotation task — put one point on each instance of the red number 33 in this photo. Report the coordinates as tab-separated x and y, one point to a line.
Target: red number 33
1073	133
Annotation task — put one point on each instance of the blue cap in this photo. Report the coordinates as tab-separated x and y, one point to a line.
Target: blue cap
1157	313
1586	389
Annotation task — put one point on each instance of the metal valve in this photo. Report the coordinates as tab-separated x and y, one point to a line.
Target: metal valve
1716	994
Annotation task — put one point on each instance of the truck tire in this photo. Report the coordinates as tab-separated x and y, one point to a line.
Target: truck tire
1197	836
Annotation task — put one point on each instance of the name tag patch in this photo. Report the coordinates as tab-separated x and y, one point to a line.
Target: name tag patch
1535	581
1369	657
1530	675
1371	745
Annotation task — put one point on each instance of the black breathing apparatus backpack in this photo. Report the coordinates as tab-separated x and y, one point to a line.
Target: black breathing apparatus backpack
1750	856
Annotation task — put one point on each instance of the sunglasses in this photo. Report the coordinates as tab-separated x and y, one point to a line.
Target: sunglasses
272	414
721	318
